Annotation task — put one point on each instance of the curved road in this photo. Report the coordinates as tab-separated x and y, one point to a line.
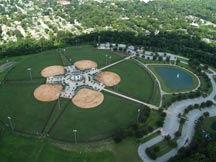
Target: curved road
171	124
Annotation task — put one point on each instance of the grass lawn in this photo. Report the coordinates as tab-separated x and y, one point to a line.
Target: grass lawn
98	123
153	118
164	148
135	82
74	54
149	137
36	62
17	101
26	149
167	99
207	124
163	84
126	151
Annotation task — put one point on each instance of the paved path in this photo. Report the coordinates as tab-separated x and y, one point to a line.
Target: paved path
131	99
171	125
6	66
115	63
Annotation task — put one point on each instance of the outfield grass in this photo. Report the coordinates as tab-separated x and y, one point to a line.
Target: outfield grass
74	54
162	82
37	63
26	149
17	101
98	123
135	82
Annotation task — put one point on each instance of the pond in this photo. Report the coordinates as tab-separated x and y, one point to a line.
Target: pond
175	78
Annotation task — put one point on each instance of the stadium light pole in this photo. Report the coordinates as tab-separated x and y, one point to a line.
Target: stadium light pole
59	104
75	137
10	122
110	59
30	73
138	113
106	59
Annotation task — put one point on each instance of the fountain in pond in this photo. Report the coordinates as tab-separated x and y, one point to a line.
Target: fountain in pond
178	76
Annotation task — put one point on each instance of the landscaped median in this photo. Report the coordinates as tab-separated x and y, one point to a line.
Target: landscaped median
174	78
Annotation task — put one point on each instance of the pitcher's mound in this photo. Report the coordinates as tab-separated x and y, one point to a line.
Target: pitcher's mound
52	70
85	64
108	78
47	92
87	98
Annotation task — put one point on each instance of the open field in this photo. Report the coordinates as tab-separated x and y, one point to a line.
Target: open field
37	63
135	82
17	101
165	88
74	54
18	148
32	116
98	123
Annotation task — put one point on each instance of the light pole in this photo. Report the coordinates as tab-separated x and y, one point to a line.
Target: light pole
59	104
106	59
110	59
75	138
10	122
64	51
30	74
138	113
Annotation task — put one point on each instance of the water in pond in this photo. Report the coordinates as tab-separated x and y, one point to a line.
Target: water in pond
213	125
174	78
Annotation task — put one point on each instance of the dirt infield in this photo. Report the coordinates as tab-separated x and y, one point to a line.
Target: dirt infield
47	92
108	78
52	70
85	64
87	98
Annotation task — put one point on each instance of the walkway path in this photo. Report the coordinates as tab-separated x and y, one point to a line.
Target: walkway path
131	99
6	66
171	125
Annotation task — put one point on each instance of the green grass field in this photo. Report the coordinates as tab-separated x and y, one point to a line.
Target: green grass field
17	101
97	123
207	124
163	85
74	54
15	147
31	116
36	62
27	149
136	82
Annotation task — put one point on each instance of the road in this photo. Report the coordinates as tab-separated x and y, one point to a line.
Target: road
172	122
